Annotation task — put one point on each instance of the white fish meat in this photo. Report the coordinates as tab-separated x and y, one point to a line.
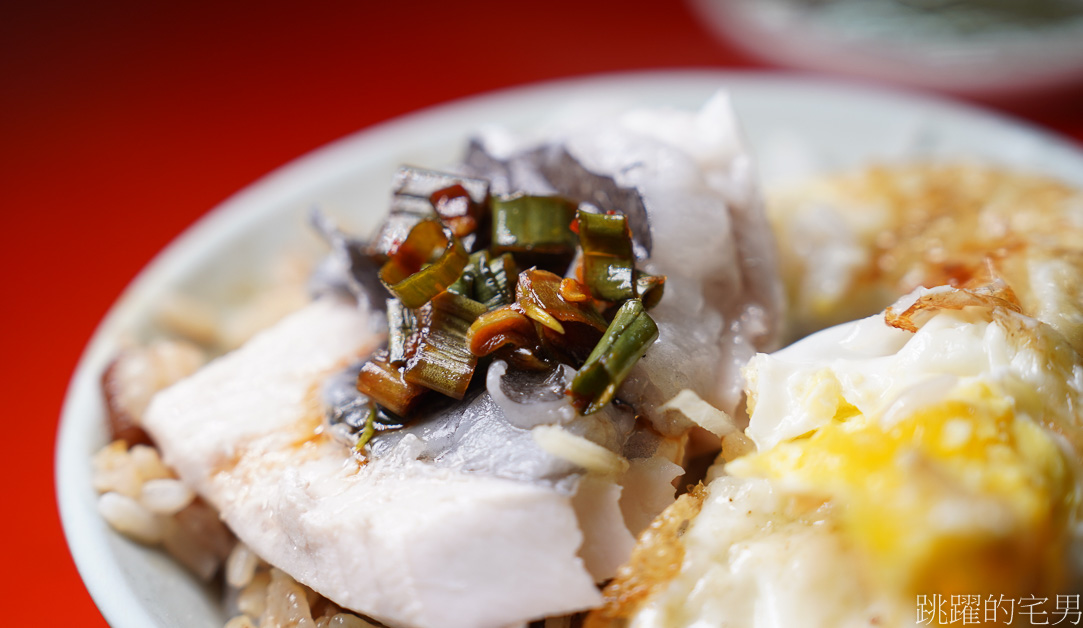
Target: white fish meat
398	539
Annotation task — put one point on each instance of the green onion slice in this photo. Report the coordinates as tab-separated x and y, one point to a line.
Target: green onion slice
540	224
392	233
503	326
457	209
384	383
539	296
486	279
650	288
425	264
368	431
624	342
566	329
495	285
608	260
464	285
411	182
442	361
401	324
540	321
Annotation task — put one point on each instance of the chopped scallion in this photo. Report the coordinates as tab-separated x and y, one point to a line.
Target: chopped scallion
401	324
442	361
539	295
421	183
505	273
384	384
573	291
650	288
486	280
491	286
608	260
539	224
497	328
464	285
624	342
430	260
457	210
392	233
368	431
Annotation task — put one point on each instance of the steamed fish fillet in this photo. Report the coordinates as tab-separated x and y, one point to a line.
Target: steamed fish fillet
406	542
851	243
936	455
410	543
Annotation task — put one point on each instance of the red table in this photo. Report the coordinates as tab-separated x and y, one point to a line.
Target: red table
123	122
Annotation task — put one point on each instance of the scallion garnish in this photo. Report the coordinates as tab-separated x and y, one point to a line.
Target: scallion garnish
393	232
503	326
491	286
486	280
608	260
368	431
384	384
442	361
457	209
451	307
464	285
574	291
539	296
411	182
401	324
429	261
650	288
624	342
504	273
536	224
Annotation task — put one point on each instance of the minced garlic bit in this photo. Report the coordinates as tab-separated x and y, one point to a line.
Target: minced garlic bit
591	456
703	414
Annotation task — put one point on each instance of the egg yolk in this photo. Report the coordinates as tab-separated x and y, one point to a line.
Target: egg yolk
962	497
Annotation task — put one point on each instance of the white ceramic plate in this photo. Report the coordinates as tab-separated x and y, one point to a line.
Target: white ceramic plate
796	127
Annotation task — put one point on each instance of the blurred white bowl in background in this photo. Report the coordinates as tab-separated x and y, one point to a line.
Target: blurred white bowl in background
987	49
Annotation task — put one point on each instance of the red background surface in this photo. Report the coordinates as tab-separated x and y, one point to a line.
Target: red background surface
123	122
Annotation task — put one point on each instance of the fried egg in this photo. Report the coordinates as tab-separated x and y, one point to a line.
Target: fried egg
930	449
852	243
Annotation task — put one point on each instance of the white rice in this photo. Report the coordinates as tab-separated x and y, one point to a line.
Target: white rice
241	566
130	518
165	496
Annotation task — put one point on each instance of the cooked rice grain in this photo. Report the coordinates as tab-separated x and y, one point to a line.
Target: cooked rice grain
165	496
287	604
344	620
115	472
130	518
240	621
252	600
148	464
241	566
